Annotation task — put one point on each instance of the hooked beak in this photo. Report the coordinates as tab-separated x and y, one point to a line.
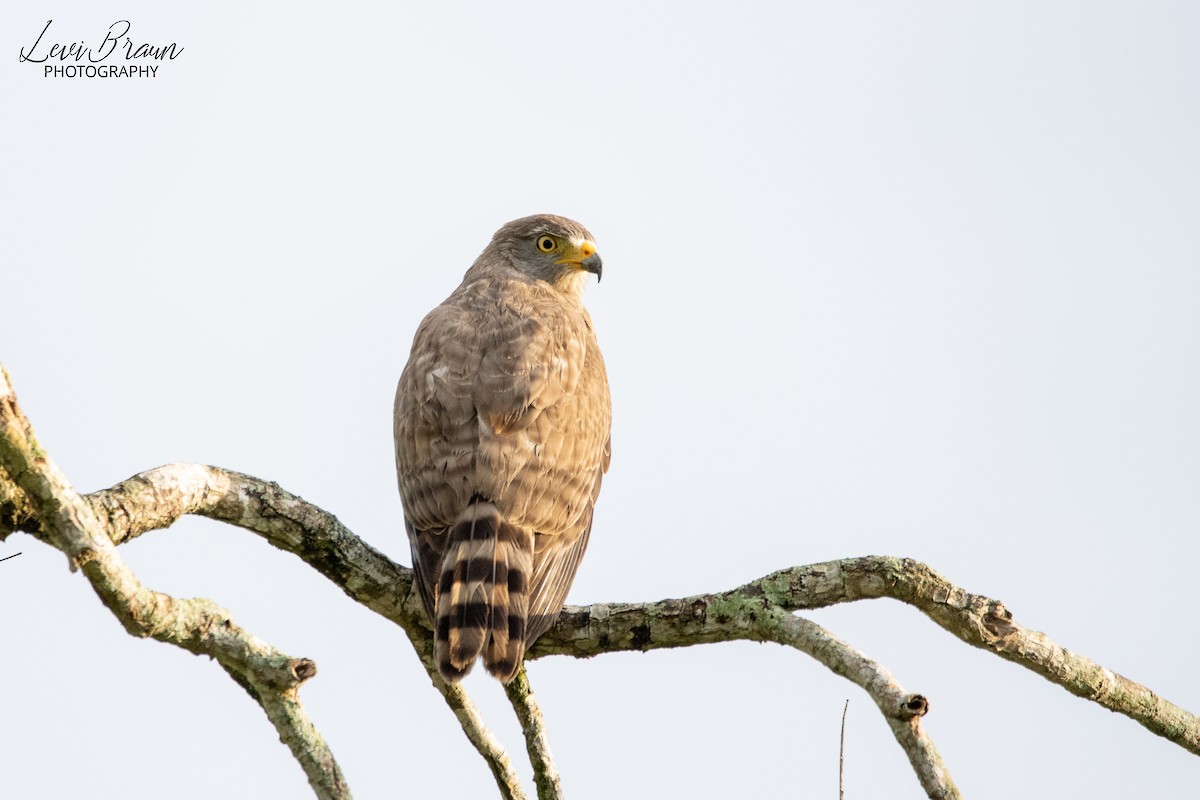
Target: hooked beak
583	256
593	264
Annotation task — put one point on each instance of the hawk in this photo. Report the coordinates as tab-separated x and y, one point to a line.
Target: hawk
502	422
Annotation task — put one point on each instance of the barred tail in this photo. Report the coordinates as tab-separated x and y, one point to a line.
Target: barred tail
482	604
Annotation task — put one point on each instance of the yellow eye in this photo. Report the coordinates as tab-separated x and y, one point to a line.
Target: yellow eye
546	244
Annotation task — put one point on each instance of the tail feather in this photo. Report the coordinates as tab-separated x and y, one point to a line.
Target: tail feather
482	600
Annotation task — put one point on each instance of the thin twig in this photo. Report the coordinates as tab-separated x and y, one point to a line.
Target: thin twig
842	755
537	743
903	711
469	718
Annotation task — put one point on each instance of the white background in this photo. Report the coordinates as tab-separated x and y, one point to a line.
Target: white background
916	279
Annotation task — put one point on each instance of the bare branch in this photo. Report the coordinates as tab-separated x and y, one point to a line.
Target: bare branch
157	498
758	611
583	632
199	626
984	623
469	718
903	711
537	743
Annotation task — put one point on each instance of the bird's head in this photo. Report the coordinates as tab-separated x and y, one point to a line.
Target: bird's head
555	249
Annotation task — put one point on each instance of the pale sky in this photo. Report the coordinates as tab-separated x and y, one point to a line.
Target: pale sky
916	279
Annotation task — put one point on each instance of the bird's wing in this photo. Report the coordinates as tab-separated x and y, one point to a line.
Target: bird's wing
505	397
579	465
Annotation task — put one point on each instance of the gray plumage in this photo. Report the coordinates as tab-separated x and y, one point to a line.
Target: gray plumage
502	421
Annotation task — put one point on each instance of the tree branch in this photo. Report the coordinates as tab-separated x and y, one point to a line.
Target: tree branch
537	743
157	498
902	711
758	611
469	718
70	524
583	632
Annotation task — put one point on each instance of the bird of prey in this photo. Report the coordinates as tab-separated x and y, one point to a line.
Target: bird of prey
502	421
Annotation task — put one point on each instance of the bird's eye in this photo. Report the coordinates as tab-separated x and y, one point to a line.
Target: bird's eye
546	244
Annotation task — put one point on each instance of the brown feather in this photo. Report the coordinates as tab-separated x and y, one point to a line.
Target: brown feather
502	419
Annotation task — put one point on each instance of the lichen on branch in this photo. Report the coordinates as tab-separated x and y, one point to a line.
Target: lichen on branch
36	498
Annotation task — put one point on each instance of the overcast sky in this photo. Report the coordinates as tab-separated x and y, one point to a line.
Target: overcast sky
916	279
